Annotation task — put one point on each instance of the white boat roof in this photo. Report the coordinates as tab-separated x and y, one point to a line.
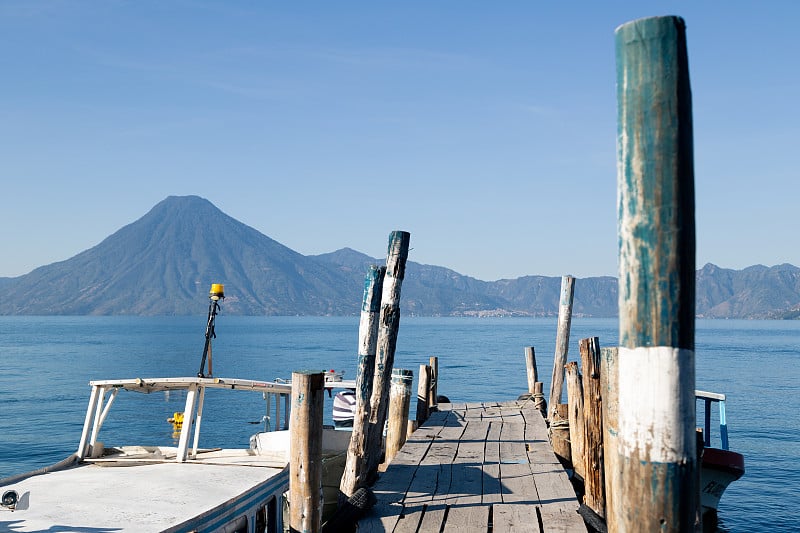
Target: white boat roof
164	384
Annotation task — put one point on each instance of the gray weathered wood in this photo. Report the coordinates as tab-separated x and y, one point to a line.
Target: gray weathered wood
609	380
530	366
577	439
396	256
562	341
594	475
357	453
657	277
305	466
474	467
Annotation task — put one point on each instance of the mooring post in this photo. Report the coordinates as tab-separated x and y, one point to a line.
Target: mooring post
355	467
609	381
594	474
433	397
423	390
305	465
530	365
539	402
388	326
399	404
656	278
562	342
577	438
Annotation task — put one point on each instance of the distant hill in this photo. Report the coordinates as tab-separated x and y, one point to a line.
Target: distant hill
165	262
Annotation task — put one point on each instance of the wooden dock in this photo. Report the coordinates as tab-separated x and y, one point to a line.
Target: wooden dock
476	467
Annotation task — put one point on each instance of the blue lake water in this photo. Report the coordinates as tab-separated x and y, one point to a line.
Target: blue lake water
47	363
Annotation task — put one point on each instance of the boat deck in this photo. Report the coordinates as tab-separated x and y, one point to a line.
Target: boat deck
145	491
476	467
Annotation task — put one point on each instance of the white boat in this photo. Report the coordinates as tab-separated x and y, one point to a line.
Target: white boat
148	488
720	465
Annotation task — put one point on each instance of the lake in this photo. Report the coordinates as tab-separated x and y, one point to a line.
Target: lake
48	362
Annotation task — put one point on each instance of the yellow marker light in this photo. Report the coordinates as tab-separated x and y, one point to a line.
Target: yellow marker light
217	291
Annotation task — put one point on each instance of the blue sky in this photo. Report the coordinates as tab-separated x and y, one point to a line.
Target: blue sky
487	130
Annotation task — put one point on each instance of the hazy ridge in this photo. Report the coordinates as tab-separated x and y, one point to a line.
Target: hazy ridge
164	263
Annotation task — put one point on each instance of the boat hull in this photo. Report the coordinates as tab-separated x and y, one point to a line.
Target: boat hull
720	469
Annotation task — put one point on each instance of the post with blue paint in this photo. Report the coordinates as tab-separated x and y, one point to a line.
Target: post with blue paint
305	461
656	362
389	324
353	477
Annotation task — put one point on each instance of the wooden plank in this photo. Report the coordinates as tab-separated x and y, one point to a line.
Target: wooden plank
492	489
425	499
393	485
511	517
558	505
467	519
454	476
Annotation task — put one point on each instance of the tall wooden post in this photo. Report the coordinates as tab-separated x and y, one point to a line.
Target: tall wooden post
562	341
594	474
357	452
423	390
577	438
399	404
609	381
305	466
656	278
530	366
388	327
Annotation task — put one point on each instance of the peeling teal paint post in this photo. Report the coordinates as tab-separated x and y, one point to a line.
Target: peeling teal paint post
656	363
305	454
353	477
388	326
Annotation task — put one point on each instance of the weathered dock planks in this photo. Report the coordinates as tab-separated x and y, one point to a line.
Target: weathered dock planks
474	466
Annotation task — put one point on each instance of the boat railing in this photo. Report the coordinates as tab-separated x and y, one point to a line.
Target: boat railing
709	398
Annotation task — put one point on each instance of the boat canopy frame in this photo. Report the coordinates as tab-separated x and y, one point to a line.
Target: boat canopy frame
104	392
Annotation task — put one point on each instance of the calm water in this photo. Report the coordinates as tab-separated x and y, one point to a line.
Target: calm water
48	361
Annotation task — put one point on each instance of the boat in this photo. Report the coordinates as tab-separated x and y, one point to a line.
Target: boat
720	465
140	486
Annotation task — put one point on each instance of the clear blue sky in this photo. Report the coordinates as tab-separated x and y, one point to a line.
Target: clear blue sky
486	129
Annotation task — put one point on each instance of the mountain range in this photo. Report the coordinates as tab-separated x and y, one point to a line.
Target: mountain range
165	262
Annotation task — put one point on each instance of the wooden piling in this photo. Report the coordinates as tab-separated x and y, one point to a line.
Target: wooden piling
576	424
538	398
562	341
433	397
559	433
657	278
305	470
609	381
399	403
357	453
594	474
423	391
530	365
388	326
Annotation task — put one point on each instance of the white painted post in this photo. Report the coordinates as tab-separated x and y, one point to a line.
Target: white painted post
656	278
